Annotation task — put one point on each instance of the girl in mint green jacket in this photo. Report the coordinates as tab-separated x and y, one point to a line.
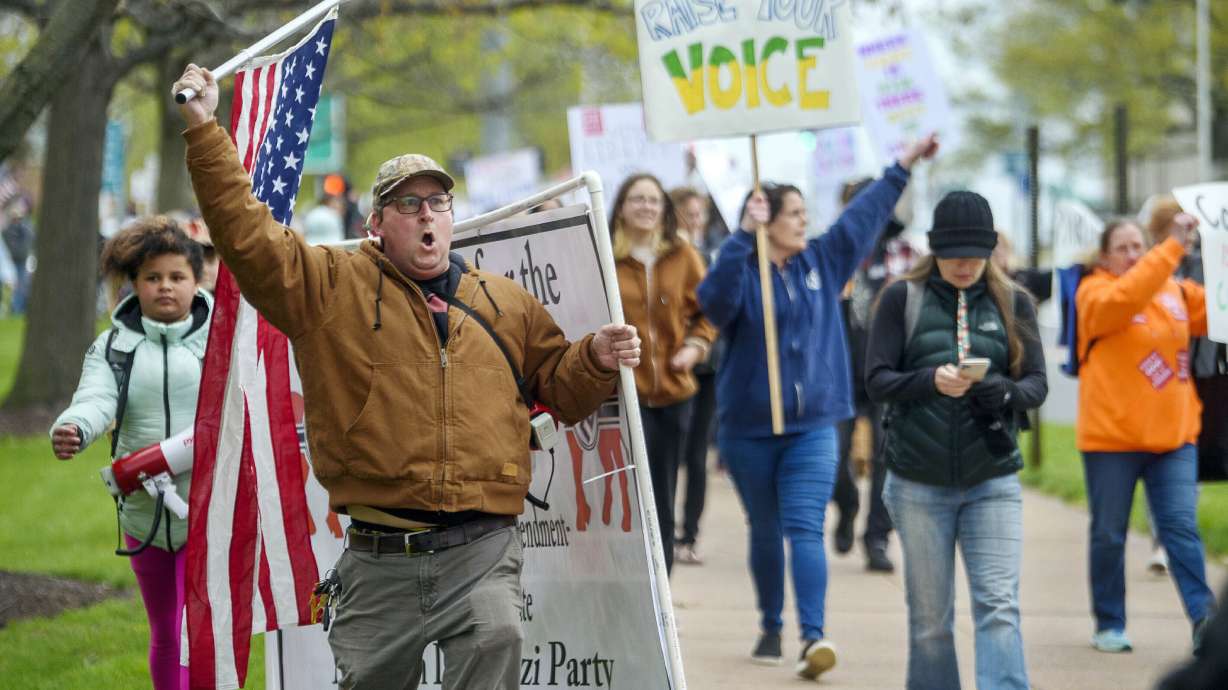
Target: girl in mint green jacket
163	328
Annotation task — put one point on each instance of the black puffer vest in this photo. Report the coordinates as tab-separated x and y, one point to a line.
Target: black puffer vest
939	440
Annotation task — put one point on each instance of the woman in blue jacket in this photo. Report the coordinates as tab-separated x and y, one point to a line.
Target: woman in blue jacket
785	481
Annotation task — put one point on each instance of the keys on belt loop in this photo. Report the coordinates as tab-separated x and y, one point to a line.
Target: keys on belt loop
323	598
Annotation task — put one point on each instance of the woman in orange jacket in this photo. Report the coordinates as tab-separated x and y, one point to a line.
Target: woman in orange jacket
1139	416
658	272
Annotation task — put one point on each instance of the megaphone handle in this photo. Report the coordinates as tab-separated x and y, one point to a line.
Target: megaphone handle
174	503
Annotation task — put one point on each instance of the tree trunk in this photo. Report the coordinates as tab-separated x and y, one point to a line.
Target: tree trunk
174	187
34	81
1219	136
61	316
174	184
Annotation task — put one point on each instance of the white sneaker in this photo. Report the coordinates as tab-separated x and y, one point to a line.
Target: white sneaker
817	657
687	555
1158	563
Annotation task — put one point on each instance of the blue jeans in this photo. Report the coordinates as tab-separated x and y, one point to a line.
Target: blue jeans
986	520
784	483
1171	481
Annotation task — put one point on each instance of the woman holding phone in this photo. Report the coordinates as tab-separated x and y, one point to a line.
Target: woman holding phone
955	355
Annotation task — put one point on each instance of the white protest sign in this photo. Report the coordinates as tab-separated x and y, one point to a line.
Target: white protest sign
818	163
725	166
835	161
1074	232
589	605
501	178
901	95
1209	203
719	68
611	140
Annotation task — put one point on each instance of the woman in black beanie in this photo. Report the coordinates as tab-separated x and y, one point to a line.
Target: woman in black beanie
950	440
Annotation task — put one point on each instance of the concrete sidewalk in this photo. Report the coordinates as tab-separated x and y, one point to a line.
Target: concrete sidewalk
867	619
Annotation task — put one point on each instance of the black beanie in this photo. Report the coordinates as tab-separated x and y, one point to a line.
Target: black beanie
963	227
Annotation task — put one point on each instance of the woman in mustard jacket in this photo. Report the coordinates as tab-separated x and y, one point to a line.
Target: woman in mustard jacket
658	272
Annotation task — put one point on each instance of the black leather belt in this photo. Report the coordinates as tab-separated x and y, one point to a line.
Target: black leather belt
426	541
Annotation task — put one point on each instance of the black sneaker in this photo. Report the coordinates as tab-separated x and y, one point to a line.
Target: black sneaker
817	658
844	534
1200	629
877	560
767	650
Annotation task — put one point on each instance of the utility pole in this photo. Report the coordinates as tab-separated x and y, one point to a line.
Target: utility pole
1121	137
1034	455
498	131
1205	173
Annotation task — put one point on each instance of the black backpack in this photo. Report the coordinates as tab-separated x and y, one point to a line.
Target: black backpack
121	366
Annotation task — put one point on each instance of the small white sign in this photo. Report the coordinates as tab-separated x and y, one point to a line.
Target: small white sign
1075	232
611	140
902	98
1209	202
498	180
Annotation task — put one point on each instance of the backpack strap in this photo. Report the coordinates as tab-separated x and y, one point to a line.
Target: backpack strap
912	308
121	366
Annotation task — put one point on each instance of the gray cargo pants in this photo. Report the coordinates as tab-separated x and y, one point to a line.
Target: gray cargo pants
467	598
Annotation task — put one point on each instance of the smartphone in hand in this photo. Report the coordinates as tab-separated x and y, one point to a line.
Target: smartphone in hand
974	368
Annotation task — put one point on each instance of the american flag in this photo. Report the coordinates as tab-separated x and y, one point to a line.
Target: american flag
250	563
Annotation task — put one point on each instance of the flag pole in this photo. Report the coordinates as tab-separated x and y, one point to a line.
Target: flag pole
769	308
263	44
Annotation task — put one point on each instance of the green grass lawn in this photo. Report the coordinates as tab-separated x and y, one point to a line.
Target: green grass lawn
59	519
1061	474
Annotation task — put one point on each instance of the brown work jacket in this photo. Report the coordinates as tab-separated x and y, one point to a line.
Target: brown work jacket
394	420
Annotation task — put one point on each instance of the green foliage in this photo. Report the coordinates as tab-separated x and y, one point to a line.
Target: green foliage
424	83
1072	61
1061	474
17	34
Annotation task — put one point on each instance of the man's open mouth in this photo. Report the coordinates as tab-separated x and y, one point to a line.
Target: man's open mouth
428	239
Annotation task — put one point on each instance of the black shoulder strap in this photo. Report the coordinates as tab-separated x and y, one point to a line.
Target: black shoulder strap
525	394
121	367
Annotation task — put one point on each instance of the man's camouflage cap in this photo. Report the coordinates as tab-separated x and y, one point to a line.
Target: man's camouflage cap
401	168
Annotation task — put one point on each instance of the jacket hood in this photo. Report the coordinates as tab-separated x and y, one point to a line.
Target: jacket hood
127	314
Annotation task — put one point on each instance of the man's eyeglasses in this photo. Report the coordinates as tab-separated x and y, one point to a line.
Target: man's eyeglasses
410	205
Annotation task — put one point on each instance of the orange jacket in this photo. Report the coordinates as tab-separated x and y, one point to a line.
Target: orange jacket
664	320
1135	392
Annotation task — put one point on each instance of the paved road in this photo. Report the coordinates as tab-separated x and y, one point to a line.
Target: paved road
866	615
